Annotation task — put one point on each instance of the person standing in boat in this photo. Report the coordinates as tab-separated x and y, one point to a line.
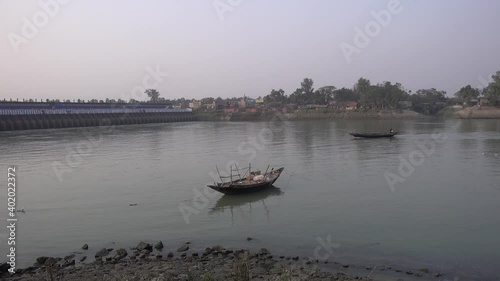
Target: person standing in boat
391	131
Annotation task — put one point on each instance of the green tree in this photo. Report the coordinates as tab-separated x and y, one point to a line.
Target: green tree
325	94
153	94
362	89
362	86
432	95
208	100
345	94
276	97
392	94
493	89
304	94
428	101
467	93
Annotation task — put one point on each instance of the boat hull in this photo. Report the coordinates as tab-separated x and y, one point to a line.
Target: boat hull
373	135
240	190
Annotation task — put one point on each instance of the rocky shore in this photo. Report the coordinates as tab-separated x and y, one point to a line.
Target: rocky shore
151	262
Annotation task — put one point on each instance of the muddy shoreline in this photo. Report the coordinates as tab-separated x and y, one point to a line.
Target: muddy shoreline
153	262
298	115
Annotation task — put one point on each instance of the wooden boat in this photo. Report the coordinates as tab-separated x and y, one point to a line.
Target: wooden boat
373	135
249	182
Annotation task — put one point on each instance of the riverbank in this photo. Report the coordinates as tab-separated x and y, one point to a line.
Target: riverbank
316	114
151	262
484	112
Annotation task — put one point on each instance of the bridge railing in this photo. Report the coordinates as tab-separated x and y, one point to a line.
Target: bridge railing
88	111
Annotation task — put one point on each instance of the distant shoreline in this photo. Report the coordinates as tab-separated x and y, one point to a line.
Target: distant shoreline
309	115
448	113
54	121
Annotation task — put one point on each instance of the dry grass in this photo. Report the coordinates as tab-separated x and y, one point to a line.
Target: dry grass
241	270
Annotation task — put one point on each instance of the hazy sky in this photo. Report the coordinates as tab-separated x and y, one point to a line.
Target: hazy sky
98	49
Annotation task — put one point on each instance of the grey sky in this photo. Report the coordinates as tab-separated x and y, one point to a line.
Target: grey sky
98	49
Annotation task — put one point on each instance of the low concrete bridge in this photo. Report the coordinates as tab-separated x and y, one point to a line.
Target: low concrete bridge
31	121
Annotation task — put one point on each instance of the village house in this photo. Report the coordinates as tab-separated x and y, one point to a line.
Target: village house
405	104
195	104
242	103
484	101
211	105
350	105
250	101
345	105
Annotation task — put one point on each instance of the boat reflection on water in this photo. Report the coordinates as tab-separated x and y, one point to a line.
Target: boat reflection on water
229	202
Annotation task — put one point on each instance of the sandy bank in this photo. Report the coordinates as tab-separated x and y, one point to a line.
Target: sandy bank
485	112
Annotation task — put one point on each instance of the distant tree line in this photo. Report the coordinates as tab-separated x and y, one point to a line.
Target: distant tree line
386	95
381	96
491	91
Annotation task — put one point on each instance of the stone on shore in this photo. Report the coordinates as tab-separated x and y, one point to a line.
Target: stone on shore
424	270
144	246
218	249
159	245
41	260
102	253
183	248
4	267
264	251
50	262
69	263
120	254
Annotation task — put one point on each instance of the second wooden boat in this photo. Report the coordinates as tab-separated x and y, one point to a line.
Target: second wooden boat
373	135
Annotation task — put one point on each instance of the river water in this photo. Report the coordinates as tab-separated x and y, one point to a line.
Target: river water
428	198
